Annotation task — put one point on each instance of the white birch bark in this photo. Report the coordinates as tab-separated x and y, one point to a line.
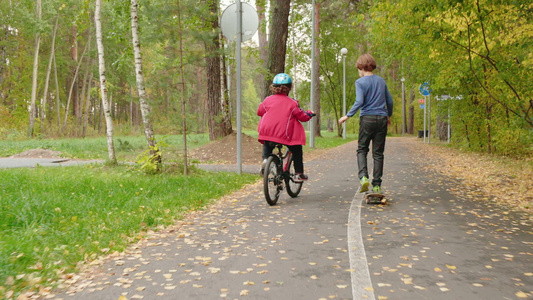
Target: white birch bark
146	110
103	83
35	73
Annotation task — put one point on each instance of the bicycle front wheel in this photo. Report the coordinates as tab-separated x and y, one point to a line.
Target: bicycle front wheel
293	188
272	183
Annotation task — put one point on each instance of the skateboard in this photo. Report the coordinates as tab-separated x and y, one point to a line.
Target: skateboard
375	198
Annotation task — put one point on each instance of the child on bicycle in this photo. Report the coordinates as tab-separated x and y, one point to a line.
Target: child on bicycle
375	101
280	123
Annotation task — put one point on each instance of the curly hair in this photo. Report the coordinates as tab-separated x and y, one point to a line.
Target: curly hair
281	88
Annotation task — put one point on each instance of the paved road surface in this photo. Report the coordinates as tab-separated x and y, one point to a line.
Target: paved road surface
9	162
430	242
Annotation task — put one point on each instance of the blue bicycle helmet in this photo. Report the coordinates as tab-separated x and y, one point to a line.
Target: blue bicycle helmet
282	78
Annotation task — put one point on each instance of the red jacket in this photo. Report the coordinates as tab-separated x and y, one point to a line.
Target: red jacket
280	120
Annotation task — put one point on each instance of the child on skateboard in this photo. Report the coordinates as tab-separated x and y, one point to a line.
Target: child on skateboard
375	102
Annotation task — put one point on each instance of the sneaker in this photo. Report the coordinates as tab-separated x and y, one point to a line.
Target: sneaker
364	184
300	177
376	189
262	170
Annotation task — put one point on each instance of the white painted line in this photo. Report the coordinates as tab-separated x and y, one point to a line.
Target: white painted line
361	282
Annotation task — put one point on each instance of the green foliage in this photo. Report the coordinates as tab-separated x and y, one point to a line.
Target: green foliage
53	218
149	161
475	49
124	146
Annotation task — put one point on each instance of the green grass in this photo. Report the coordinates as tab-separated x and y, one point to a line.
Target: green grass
52	218
126	147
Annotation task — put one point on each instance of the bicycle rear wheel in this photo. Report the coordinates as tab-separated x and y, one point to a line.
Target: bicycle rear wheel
293	188
272	183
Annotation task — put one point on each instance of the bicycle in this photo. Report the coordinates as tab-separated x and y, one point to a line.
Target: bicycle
279	171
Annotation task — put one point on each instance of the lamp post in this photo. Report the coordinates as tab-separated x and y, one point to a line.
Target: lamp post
312	98
403	105
344	51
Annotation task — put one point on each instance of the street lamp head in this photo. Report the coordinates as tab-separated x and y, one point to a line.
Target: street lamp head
344	51
403	79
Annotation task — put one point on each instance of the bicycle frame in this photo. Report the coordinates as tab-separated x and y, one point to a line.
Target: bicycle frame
284	157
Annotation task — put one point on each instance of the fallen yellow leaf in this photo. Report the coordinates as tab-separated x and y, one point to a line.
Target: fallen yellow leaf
342	286
451	267
521	294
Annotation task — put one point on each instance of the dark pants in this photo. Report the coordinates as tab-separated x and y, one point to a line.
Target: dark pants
372	128
297	154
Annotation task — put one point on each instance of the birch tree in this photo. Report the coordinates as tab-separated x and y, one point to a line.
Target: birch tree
33	107
103	83
146	110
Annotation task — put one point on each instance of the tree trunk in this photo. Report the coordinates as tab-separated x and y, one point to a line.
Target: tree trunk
58	111
72	86
103	83
87	77
146	109
218	121
87	105
263	44
33	107
183	94
277	42
48	72
316	63
411	122
74	93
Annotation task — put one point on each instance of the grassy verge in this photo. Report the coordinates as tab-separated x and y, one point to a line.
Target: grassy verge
52	218
127	147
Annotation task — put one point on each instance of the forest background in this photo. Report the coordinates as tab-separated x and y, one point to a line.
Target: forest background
478	52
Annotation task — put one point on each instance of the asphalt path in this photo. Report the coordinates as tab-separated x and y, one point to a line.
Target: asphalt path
431	241
10	162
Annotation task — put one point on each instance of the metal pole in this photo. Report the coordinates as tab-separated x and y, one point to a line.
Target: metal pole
238	75
403	105
425	117
312	122
429	117
449	122
344	51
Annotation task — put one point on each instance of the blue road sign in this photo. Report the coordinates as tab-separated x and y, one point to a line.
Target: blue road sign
424	89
